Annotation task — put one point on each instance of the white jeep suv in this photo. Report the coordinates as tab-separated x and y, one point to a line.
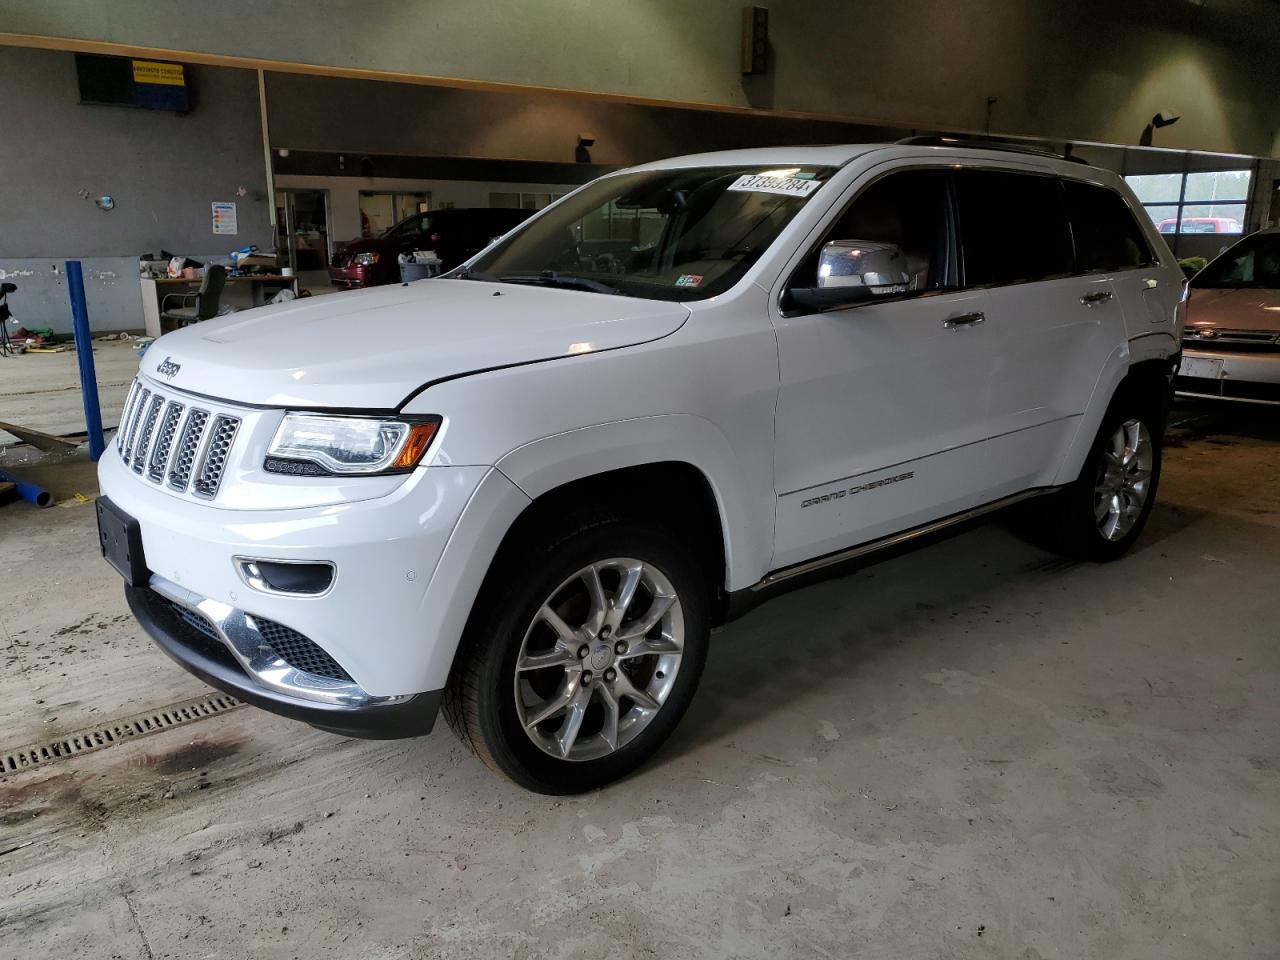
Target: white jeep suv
524	493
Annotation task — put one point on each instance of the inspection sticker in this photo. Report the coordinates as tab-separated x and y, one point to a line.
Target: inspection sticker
784	186
688	280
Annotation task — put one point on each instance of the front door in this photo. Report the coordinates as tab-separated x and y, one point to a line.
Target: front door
883	406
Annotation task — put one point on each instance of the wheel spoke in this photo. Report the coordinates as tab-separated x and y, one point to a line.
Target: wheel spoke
561	655
1117	453
1112	522
643	647
625	688
599	603
550	707
609	700
639	627
553	620
568	732
1101	509
627	587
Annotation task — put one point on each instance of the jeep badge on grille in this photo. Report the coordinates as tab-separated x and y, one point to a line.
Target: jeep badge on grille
168	369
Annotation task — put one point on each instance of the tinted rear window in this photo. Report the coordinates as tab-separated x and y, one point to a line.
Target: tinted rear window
1107	237
1013	227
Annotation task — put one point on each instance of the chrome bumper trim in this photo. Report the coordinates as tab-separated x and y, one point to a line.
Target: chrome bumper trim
239	633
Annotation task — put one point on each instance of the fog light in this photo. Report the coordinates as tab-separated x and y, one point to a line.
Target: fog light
297	578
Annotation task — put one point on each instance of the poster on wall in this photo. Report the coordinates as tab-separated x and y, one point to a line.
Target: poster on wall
224	218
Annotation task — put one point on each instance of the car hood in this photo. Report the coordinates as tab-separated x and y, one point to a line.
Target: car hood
372	348
1244	309
367	244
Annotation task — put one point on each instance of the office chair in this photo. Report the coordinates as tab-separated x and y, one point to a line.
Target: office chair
200	305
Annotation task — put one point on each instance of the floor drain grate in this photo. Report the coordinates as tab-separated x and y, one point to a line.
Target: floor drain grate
117	731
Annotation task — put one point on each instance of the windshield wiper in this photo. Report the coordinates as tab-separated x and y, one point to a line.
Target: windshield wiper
465	273
550	278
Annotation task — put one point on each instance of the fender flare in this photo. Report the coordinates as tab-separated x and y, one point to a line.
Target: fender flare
745	513
1120	365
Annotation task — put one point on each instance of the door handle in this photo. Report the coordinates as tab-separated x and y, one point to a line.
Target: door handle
964	320
1098	296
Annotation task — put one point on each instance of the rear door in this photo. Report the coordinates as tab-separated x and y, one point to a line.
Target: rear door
1054	325
1109	242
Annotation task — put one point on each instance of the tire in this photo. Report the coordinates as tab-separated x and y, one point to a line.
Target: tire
1085	523
495	708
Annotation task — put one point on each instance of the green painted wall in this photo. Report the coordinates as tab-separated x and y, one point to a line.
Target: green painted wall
1088	69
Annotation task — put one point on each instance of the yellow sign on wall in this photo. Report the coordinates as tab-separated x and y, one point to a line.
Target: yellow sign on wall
152	71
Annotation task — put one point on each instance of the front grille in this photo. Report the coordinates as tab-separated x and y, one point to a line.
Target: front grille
1243	340
192	628
167	442
299	652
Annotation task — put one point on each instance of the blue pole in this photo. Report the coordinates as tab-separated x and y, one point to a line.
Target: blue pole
84	353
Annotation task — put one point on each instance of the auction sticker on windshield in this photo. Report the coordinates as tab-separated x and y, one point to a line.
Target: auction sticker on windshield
784	186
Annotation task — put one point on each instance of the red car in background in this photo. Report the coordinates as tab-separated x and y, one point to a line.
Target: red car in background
1200	225
455	235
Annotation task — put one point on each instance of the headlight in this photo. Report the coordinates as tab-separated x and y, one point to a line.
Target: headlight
365	259
312	445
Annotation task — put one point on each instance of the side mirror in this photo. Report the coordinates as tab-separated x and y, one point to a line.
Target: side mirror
852	271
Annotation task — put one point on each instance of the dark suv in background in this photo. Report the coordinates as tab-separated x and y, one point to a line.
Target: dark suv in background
453	234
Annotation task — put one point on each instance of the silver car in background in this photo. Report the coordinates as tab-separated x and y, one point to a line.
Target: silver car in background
1231	342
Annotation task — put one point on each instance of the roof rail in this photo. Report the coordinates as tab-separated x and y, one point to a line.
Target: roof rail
981	144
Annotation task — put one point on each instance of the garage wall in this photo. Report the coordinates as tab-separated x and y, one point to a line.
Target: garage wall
1091	69
411	119
162	170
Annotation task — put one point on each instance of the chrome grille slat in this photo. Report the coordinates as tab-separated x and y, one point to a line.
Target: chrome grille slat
147	430
214	461
135	417
164	442
184	457
122	428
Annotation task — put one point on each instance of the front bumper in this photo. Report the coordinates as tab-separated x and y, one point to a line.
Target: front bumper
374	621
1253	377
354	278
212	660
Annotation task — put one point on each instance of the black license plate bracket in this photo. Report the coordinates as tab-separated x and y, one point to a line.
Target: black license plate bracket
120	536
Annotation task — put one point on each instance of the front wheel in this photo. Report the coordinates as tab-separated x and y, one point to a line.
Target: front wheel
587	655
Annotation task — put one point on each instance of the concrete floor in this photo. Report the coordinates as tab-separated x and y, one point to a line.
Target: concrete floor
42	390
973	750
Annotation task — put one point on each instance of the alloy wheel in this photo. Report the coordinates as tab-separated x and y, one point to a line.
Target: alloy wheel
599	659
1124	479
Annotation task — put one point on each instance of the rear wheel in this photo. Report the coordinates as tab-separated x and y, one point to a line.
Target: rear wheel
1101	514
584	657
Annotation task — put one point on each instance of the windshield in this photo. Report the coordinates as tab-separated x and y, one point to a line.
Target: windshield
418	223
681	234
1253	262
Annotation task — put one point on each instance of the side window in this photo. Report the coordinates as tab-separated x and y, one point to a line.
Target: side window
907	209
1013	227
1106	235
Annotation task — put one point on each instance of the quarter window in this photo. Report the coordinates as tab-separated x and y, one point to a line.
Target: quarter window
1106	235
1013	227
